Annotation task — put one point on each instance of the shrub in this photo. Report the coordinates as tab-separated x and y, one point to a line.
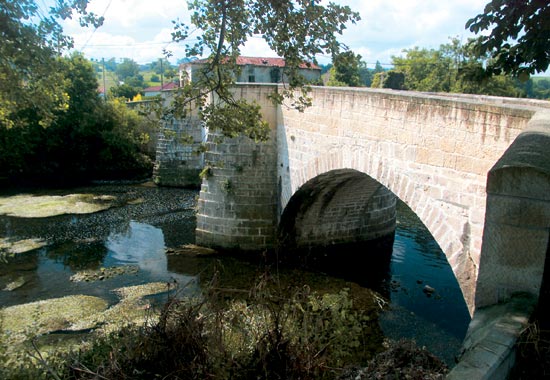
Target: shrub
269	336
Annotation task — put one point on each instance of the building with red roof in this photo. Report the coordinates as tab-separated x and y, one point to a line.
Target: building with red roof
156	90
254	70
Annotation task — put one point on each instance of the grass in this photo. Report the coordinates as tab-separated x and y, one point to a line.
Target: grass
533	354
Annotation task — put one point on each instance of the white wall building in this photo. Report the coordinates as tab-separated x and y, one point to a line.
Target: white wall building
254	70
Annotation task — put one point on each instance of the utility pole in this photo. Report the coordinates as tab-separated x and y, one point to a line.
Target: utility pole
161	75
104	85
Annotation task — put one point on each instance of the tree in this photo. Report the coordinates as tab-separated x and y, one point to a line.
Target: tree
425	70
377	76
88	139
110	64
160	66
378	68
519	38
125	91
346	70
126	69
394	80
451	68
468	74
30	39
296	30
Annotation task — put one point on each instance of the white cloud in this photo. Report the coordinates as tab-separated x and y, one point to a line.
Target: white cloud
388	27
137	29
257	47
140	29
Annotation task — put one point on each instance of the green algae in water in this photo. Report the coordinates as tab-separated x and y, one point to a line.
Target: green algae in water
30	206
103	273
41	317
140	291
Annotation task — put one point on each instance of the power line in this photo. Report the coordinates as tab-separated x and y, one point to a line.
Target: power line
130	45
93	32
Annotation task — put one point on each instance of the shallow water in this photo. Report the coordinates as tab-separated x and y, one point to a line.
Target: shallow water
155	218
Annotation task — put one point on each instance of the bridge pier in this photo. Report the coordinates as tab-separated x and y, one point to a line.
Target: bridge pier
517	222
237	206
178	164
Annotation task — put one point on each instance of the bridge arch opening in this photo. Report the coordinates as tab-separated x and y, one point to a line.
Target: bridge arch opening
333	215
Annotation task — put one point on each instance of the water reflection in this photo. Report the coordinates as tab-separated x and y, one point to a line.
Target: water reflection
78	255
133	234
141	244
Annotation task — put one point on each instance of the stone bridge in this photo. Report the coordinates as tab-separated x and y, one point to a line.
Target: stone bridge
475	169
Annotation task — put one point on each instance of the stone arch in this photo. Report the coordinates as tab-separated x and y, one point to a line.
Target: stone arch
338	207
448	222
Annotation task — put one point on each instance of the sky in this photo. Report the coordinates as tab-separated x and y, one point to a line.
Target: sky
141	29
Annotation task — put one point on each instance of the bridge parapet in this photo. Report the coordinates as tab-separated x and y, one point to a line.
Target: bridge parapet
517	222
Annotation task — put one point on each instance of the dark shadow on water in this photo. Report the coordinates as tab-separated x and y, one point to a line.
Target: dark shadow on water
364	263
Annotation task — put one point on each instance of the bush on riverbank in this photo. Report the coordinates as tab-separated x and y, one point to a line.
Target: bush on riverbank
90	139
259	334
307	336
264	333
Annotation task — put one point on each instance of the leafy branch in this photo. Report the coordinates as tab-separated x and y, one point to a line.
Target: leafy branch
295	30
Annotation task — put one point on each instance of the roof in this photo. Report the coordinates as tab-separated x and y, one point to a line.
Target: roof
167	86
261	61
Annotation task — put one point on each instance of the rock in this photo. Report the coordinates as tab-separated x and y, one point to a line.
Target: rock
16	284
139	291
10	247
50	315
30	206
428	290
191	250
136	201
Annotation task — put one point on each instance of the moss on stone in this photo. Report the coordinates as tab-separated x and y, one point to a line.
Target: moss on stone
15	284
191	250
77	313
139	291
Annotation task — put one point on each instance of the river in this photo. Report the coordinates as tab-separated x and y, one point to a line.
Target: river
149	219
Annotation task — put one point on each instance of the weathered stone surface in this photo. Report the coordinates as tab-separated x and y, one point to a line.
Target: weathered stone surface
515	238
237	207
488	349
